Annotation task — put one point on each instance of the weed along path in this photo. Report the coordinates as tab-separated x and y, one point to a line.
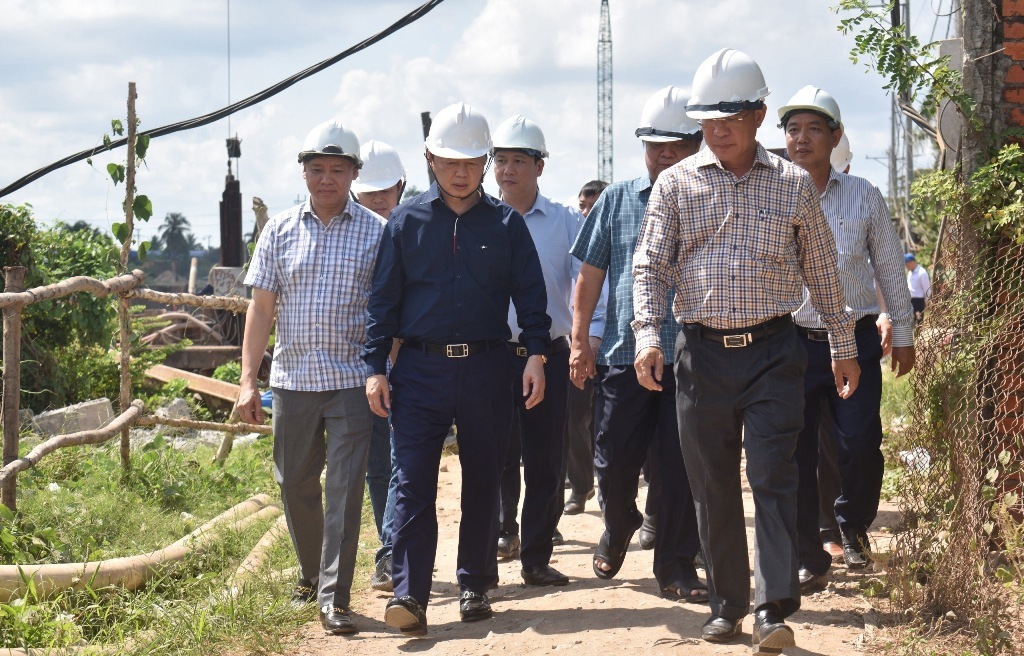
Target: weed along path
590	616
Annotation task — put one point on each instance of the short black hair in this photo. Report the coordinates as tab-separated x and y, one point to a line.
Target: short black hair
593	188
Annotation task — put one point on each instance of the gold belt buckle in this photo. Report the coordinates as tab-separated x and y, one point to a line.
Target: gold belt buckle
457	350
736	341
521	351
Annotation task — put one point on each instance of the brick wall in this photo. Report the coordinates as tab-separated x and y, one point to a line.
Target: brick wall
1013	50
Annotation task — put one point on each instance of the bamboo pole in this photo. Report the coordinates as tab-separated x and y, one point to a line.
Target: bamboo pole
122	301
15	282
68	286
122	421
262	429
232	303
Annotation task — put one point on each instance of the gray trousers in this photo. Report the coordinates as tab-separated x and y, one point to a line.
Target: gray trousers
311	428
730	399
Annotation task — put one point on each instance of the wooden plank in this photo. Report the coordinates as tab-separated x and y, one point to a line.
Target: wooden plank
196	382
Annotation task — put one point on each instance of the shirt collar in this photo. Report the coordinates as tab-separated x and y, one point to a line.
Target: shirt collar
541	205
345	213
705	157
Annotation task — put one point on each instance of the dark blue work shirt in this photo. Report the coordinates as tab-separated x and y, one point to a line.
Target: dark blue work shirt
447	279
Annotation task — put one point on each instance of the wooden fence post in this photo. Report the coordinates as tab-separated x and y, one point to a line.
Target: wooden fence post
122	299
15	282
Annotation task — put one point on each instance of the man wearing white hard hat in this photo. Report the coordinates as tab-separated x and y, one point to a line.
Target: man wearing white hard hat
379	187
869	251
631	418
519	156
312	267
738	233
450	261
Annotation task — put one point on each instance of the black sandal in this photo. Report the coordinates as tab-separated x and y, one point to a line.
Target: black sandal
613	556
684	589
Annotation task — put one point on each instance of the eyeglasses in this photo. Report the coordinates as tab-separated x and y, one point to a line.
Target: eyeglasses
727	122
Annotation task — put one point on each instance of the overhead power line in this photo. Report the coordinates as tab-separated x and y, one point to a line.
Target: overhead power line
254	99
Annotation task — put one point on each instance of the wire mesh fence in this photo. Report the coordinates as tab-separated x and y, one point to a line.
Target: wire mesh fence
959	555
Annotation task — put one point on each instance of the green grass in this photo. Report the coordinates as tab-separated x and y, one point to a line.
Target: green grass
97	513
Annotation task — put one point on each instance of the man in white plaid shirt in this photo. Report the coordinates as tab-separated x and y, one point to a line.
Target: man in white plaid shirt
313	266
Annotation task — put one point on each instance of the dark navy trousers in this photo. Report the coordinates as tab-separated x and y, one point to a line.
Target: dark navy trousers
539	445
857	429
629	419
429	392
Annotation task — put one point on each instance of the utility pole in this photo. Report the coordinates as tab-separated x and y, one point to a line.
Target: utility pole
604	96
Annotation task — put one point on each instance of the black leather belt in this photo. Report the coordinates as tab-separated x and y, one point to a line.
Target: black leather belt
454	350
558	345
741	337
821	335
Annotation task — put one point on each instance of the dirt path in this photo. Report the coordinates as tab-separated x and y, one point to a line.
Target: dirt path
589	616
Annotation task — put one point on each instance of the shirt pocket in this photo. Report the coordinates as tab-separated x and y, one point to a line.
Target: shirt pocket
772	236
489	262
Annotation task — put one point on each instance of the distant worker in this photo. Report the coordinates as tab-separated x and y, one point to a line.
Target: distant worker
450	261
519	156
869	250
919	283
312	266
630	416
379	187
579	424
738	232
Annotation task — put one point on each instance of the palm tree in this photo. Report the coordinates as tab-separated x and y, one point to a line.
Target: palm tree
176	239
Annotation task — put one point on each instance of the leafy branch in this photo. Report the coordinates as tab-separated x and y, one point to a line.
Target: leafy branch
909	65
142	206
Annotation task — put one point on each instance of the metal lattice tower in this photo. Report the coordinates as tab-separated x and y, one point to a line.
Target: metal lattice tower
604	96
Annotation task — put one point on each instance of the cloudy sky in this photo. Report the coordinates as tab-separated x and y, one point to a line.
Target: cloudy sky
65	67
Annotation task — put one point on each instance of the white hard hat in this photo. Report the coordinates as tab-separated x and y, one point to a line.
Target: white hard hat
726	83
842	155
812	99
331	138
382	168
520	133
664	118
459	132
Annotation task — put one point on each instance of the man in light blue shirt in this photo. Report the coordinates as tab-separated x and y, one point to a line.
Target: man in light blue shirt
630	417
519	152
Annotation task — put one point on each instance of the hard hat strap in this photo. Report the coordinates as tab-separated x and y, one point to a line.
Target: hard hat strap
654	132
727	106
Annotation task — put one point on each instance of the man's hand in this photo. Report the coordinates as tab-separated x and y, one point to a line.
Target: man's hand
533	381
649	365
582	364
249	405
884	326
847	374
378	394
902	359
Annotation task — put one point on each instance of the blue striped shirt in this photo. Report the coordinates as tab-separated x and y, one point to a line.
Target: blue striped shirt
606	240
869	251
321	275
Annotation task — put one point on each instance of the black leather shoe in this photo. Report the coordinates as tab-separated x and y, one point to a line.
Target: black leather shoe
556	538
720	629
771	634
543	575
381	579
855	552
406	615
508	546
336	621
303	593
811	582
474	606
645	537
573	506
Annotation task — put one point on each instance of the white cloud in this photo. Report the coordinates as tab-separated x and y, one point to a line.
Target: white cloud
66	66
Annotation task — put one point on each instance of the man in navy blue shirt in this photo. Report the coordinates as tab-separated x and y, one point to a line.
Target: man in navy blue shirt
450	261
